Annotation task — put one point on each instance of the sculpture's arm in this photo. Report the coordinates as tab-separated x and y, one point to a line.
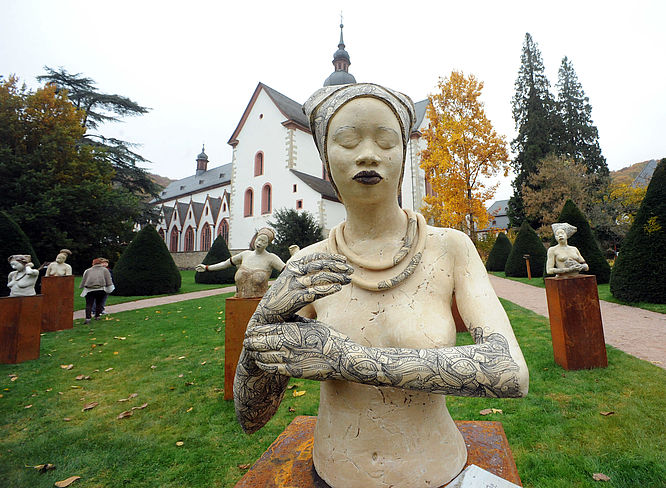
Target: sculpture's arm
550	262
257	393
200	268
29	272
312	350
581	260
277	263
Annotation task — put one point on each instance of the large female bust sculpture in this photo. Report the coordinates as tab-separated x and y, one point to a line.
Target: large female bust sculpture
254	266
563	259
22	280
59	267
375	323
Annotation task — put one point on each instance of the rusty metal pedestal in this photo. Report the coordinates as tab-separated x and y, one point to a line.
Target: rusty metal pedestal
575	322
58	306
20	326
238	312
287	463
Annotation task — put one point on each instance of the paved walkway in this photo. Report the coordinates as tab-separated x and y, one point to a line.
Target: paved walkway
633	330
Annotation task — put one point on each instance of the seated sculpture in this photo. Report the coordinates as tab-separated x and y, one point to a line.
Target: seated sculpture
59	267
254	266
22	280
562	259
374	320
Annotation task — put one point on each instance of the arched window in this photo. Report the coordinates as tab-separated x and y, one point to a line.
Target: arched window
249	203
223	230
259	164
205	237
189	240
173	241
266	199
161	233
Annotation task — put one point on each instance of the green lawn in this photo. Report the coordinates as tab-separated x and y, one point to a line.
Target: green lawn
187	285
172	357
604	293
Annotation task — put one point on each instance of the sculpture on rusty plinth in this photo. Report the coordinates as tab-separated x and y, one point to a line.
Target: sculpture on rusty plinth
564	260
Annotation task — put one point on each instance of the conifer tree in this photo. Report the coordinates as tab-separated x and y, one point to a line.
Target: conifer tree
527	242
146	267
218	253
14	241
577	136
293	227
639	273
533	114
499	253
584	240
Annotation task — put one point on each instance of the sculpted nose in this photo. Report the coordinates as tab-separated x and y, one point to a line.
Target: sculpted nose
367	154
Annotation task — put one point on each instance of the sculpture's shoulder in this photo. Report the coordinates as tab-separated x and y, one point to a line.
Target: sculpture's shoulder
451	239
317	247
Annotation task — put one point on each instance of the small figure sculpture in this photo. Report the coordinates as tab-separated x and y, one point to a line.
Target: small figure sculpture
563	259
96	284
22	280
375	324
254	266
59	267
293	249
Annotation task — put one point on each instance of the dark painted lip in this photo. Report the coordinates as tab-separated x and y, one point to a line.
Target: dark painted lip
368	177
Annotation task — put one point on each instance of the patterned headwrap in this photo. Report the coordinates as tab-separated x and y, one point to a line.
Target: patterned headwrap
325	102
568	228
267	231
21	258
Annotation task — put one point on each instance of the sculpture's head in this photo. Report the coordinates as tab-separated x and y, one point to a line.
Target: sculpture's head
262	239
563	231
19	261
361	131
62	255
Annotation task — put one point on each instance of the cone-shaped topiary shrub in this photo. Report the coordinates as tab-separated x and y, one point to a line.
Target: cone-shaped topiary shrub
639	273
499	253
14	241
584	240
527	242
146	267
218	252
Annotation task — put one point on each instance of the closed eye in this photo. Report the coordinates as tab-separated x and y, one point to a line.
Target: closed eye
347	137
387	138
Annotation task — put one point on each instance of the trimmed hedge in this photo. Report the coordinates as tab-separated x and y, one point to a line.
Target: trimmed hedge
14	241
499	253
527	242
146	267
639	274
584	240
218	252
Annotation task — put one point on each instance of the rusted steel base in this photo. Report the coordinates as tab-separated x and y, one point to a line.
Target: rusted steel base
58	306
575	322
460	325
20	326
287	463
238	312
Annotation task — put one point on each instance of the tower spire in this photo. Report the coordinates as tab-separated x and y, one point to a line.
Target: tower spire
341	62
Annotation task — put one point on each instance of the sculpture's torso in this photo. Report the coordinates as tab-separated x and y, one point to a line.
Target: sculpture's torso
27	283
379	437
564	255
58	269
253	274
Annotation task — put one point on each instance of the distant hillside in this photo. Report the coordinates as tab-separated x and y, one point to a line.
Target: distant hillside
163	181
628	175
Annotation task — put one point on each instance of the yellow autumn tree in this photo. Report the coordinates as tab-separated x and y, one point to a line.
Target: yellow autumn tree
463	152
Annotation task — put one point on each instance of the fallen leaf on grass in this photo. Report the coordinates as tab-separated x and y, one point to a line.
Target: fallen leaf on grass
204	362
189	383
89	406
13	377
291	387
299	393
82	377
141	407
75	387
292	409
218	390
43	468
606	414
153	367
189	409
133	395
181	375
28	406
120	338
107	370
67	482
600	477
179	443
244	466
125	414
67	366
181	357
67	419
115	353
488	411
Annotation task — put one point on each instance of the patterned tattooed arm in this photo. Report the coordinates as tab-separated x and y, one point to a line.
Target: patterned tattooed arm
313	350
258	393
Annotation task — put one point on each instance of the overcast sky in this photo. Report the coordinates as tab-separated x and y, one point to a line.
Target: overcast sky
196	64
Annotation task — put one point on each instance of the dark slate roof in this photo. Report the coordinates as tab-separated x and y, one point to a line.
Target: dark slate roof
339	78
197	208
321	186
182	212
644	177
499	208
168	213
290	108
215	206
420	108
212	178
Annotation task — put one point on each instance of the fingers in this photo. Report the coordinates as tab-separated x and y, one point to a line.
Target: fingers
319	262
324	279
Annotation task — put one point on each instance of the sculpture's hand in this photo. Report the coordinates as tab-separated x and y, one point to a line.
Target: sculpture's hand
302	282
200	268
307	349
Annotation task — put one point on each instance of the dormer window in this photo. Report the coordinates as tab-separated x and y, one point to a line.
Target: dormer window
182	187
201	182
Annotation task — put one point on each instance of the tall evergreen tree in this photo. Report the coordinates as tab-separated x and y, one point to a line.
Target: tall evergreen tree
534	116
577	136
293	227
